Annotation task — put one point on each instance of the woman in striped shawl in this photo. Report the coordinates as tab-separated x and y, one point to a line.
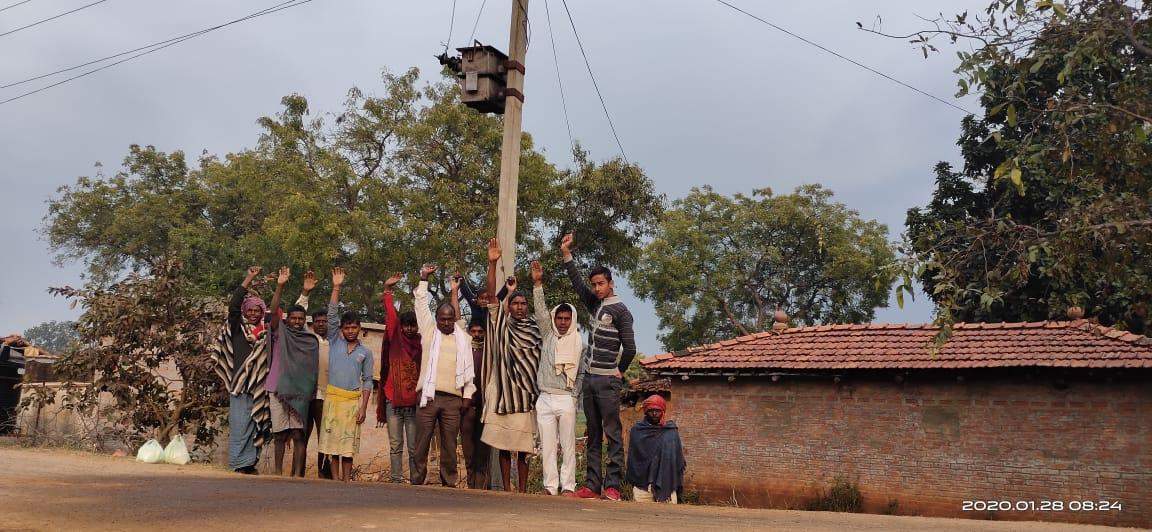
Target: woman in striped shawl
511	357
241	360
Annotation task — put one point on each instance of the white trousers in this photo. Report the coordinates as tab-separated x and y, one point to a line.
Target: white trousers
556	417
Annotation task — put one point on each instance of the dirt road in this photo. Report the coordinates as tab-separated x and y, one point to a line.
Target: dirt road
52	490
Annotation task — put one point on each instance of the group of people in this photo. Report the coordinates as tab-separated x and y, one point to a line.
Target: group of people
509	377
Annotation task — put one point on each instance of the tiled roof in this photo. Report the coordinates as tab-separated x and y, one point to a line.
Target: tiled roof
902	346
651	385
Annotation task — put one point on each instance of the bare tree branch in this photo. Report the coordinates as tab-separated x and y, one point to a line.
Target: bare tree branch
732	318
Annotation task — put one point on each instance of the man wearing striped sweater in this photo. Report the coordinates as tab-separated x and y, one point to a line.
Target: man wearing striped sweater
611	348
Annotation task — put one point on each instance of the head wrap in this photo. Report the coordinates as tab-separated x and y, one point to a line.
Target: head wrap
655	401
251	301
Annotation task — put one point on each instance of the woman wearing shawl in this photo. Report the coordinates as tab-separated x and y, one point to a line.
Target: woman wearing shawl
241	361
297	353
511	360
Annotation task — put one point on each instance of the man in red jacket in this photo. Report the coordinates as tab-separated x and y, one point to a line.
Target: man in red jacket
399	371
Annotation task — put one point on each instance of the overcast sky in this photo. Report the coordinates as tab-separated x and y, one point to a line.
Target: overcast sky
699	94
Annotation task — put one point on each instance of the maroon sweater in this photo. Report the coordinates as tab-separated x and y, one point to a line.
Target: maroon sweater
399	364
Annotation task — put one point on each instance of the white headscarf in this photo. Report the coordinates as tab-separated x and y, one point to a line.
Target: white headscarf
568	347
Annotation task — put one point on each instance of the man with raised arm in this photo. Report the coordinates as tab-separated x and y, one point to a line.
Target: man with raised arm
611	348
510	362
292	382
240	359
476	452
558	379
286	426
349	384
445	385
396	401
316	410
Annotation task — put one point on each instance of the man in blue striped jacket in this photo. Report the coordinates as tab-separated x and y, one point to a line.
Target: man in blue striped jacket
611	348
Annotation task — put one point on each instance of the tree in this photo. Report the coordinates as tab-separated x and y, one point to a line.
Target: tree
720	266
144	342
55	336
389	183
1051	208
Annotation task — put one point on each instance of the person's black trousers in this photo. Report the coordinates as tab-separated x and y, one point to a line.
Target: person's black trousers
602	412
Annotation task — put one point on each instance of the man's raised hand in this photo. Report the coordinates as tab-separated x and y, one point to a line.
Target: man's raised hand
283	276
309	281
426	270
494	251
454	284
566	246
391	282
537	273
337	276
253	273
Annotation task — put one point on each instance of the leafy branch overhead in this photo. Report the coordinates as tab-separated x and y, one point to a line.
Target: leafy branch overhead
1051	208
390	182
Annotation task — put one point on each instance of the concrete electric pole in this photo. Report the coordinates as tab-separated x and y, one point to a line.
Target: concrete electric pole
510	149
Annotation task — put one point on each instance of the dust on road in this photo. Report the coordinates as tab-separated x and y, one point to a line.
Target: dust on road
53	490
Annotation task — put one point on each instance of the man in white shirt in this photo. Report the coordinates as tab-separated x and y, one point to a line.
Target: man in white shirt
446	382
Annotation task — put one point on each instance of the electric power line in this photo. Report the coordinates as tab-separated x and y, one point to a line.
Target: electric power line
594	84
145	47
171	42
472	38
451	26
53	17
556	62
6	8
848	59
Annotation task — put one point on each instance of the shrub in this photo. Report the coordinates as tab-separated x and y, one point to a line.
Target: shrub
842	496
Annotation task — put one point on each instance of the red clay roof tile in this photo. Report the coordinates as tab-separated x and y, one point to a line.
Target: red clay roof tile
898	346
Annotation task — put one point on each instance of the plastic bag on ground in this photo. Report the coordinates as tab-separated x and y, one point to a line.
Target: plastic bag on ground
150	453
177	452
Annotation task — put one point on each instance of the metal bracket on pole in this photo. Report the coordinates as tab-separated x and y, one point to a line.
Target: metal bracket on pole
512	64
514	93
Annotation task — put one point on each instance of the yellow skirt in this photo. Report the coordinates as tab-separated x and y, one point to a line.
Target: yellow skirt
339	432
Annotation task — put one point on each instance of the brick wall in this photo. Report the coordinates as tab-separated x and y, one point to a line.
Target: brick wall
928	445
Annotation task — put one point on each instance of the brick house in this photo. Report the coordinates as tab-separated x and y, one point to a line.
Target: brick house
1001	414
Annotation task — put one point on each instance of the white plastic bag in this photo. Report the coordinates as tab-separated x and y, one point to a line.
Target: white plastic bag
177	452
150	453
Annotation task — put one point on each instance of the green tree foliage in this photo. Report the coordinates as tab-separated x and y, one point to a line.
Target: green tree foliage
1051	208
720	266
143	341
55	336
389	183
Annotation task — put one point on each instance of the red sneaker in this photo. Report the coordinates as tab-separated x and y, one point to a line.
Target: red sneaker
612	494
571	494
585	493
